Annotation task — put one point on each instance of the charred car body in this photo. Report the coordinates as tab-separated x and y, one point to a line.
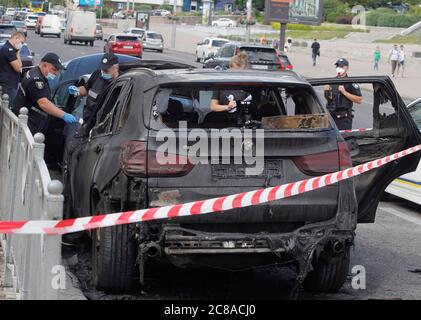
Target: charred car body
115	169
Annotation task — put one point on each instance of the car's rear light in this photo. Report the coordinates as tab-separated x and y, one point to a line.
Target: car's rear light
325	162
136	160
290	67
282	67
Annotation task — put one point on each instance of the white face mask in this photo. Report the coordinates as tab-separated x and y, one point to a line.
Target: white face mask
340	71
19	45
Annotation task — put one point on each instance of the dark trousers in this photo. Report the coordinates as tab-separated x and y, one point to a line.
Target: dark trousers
37	122
344	123
11	92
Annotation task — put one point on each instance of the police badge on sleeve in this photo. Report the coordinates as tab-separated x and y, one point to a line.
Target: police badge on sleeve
39	85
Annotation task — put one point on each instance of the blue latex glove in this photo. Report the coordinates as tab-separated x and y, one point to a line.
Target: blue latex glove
69	118
74	91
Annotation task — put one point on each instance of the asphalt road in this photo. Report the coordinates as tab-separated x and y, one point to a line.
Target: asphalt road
388	249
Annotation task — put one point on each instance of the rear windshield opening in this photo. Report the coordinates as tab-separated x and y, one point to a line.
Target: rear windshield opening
257	106
154	36
127	38
218	43
261	54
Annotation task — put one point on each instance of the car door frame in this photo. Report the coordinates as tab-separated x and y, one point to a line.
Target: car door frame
87	156
367	206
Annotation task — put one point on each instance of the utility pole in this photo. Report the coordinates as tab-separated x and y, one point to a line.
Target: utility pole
249	17
174	26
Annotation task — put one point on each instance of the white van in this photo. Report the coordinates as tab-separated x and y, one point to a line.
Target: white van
81	27
50	25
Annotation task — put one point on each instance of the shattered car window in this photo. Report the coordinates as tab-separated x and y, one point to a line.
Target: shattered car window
266	107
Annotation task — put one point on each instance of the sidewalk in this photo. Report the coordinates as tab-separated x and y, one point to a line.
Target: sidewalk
359	54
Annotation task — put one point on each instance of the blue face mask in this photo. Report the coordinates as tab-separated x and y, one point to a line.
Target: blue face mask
51	76
106	76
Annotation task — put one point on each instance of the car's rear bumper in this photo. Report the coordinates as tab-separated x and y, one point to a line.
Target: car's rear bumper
81	38
158	46
128	52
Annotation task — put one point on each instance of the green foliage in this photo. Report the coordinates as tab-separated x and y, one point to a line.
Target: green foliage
385	17
332	9
142	7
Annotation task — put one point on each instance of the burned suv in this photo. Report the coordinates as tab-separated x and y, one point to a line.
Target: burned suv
149	116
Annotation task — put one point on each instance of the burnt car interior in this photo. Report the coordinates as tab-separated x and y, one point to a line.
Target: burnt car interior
257	107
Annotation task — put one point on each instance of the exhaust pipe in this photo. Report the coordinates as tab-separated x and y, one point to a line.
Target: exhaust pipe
337	247
153	250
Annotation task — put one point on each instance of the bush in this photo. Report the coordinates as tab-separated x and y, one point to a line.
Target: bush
384	17
344	19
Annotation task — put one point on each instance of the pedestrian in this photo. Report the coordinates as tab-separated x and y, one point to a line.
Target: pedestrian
341	98
315	51
377	56
11	65
96	85
225	100
35	95
401	63
394	58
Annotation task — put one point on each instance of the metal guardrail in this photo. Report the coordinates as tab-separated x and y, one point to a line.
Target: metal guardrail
27	193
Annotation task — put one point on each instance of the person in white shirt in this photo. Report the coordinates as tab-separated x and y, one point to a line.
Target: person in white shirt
394	58
401	63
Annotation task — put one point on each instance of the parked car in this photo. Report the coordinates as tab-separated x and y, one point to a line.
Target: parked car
139	31
224	22
38	24
6	30
20	27
20	16
285	62
51	25
6	19
99	33
208	46
161	13
31	21
260	57
10	12
153	41
408	186
80	27
128	44
106	172
119	15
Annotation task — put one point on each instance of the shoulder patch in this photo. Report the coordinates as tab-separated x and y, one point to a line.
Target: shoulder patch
355	85
39	84
10	49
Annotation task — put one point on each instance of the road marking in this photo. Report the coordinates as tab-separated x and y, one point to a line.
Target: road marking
408	216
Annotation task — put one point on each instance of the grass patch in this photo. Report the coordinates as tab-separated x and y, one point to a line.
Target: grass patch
310	35
322	28
414	39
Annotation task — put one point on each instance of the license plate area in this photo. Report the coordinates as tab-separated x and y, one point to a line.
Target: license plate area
272	168
127	47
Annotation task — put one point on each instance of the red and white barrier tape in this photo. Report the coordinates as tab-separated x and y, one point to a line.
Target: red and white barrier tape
225	203
356	130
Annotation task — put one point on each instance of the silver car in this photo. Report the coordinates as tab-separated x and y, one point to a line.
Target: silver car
153	41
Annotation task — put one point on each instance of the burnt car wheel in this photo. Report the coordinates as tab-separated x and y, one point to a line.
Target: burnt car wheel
330	271
114	253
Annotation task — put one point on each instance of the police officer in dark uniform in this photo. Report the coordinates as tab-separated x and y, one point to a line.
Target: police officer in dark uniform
11	65
97	84
341	98
34	94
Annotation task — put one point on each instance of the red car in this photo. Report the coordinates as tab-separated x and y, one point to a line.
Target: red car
124	44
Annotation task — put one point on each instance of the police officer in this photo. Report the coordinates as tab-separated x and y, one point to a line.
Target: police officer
34	94
341	98
97	84
11	65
